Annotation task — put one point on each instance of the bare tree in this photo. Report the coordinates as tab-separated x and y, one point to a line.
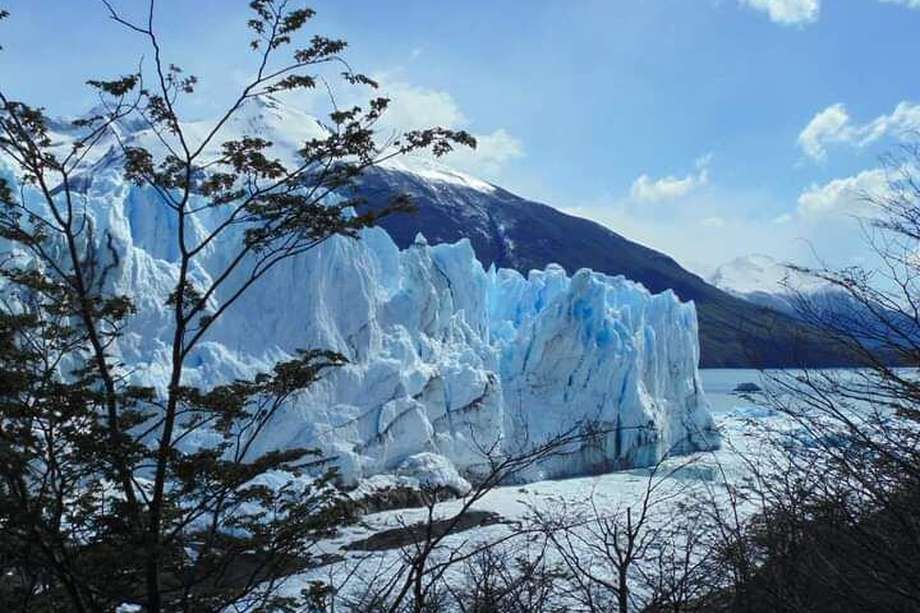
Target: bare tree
430	551
608	551
836	527
516	578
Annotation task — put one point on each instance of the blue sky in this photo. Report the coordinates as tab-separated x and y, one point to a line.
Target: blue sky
705	128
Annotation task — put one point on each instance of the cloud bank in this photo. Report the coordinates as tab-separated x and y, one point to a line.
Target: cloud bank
787	12
803	12
415	107
845	196
646	189
834	125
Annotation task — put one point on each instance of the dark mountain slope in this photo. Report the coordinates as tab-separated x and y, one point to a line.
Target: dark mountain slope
512	232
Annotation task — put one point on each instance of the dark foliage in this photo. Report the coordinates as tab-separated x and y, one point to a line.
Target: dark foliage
102	502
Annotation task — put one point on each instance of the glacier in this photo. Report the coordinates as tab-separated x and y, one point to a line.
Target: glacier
450	359
446	359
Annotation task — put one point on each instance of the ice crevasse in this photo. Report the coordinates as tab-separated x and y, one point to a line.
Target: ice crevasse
446	359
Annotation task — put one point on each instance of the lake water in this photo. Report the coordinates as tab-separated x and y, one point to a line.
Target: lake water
719	385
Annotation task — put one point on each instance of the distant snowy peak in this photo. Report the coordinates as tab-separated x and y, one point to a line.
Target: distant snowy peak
764	281
757	273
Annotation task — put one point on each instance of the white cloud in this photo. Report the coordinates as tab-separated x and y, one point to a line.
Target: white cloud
719	226
413	107
846	196
667	188
493	151
715	225
912	4
802	12
827	126
834	125
646	189
788	12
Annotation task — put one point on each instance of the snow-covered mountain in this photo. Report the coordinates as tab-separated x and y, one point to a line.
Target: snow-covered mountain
446	357
514	232
763	280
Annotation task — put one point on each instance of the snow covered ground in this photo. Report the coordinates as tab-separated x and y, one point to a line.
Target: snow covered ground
704	473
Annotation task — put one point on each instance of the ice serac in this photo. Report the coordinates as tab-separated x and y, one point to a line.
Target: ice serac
446	359
603	351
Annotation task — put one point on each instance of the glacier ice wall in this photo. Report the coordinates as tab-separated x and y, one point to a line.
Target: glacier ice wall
446	359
